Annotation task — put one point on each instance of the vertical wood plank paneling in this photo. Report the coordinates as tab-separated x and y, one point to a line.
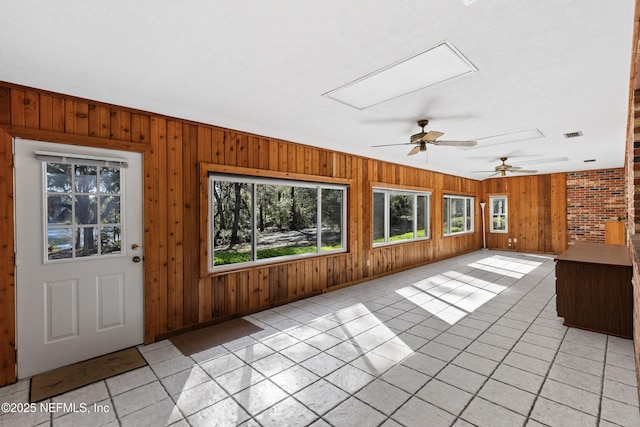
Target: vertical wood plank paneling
5	105
175	222
31	110
243	150
253	151
262	284
17	108
559	212
216	153
163	238
179	291
151	234
190	223
58	114
94	120
537	212
263	153
7	288
45	112
282	156
173	189
82	118
70	116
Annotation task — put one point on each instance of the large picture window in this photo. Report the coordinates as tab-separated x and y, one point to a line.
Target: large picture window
400	216
253	220
498	212
458	215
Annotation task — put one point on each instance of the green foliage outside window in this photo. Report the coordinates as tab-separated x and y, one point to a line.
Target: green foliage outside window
256	219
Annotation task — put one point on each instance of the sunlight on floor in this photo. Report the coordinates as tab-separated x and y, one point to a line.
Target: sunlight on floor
511	267
359	336
452	295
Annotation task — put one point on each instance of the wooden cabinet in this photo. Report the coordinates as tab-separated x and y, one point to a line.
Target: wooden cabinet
594	289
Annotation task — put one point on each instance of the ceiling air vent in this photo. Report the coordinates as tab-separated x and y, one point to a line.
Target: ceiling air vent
573	134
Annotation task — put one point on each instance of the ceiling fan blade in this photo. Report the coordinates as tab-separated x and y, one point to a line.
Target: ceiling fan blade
456	143
522	171
481	171
391	145
432	135
414	150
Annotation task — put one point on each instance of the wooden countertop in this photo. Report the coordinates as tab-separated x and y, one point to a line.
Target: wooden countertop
597	253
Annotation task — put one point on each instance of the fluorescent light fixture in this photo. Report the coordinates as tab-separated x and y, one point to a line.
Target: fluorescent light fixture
434	65
507	138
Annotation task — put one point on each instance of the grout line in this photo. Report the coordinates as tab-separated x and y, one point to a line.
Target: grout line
537	395
604	367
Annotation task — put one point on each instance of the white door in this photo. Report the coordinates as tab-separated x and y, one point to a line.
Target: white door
79	278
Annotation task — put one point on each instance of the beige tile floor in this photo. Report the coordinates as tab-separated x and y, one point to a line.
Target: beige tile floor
469	341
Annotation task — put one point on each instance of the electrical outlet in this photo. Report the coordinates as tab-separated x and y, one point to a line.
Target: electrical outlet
515	240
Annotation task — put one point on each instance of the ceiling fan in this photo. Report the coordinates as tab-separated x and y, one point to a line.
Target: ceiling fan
422	138
504	168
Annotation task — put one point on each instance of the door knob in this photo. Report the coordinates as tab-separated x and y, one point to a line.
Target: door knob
135	246
136	258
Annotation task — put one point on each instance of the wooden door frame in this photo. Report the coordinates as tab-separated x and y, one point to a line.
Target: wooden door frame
8	367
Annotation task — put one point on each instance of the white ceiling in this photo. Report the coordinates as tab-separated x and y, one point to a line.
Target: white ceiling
262	66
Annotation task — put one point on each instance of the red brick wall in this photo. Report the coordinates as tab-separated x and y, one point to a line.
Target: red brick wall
594	197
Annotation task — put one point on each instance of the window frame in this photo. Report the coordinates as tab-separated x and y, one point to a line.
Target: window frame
504	215
255	181
73	193
468	216
388	192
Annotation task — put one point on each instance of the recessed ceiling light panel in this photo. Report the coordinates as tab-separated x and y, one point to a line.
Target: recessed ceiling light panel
434	65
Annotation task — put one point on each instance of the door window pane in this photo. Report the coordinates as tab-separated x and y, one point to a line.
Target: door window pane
110	209
81	199
86	179
58	178
60	243
59	209
86	241
86	208
110	242
109	180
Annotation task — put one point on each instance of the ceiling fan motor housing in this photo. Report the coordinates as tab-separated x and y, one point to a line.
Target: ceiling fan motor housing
417	137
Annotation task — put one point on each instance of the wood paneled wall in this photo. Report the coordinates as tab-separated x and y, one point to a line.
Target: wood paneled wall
179	292
537	211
